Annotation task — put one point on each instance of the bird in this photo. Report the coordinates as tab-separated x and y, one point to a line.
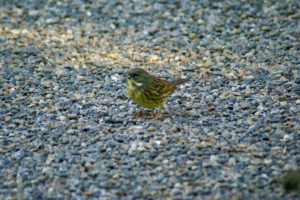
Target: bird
149	91
291	181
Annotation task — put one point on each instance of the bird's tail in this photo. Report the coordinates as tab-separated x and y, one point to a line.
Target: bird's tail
180	81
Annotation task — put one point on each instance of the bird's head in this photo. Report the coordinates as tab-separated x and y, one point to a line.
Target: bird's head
139	78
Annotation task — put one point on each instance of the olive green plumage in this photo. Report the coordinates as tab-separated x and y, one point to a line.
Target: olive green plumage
149	91
291	181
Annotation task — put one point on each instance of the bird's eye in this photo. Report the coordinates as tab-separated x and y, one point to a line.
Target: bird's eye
134	74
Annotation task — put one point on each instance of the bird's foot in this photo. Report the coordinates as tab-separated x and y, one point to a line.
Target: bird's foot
158	115
138	114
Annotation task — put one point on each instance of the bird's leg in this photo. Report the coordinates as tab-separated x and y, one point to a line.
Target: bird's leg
138	114
158	114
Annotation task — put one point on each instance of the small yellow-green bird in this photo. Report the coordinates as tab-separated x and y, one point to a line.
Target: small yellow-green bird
149	91
291	181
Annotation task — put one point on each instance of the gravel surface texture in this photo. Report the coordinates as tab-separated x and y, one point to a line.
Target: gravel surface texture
231	132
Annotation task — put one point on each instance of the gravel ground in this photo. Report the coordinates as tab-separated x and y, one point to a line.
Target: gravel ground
66	131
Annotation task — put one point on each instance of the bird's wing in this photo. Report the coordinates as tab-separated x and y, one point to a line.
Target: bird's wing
162	88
